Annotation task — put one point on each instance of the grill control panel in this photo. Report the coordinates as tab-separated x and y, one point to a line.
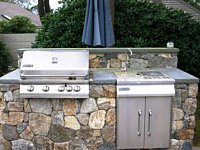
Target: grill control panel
54	91
60	88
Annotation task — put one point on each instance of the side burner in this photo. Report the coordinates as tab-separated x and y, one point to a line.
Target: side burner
152	73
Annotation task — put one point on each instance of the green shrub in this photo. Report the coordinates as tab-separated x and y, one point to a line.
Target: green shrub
196	142
4	27
138	24
5	60
64	27
18	24
143	24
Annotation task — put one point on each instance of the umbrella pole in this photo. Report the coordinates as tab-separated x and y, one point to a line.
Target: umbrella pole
112	11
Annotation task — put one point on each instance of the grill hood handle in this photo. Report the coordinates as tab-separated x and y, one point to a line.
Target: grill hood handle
24	76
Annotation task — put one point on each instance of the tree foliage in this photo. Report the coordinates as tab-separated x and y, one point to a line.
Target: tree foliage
27	4
137	24
143	24
18	24
64	27
43	8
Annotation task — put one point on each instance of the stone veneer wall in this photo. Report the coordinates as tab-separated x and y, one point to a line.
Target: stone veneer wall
136	61
57	124
117	57
84	124
183	124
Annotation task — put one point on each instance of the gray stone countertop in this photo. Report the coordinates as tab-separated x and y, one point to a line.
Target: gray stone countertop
108	50
106	76
11	78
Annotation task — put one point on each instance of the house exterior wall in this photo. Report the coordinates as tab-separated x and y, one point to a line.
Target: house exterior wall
16	41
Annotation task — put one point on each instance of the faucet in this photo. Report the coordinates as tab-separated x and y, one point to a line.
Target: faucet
131	53
126	62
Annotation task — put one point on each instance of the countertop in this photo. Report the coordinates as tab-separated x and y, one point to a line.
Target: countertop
108	50
107	76
102	76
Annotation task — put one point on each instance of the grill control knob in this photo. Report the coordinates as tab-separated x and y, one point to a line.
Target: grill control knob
45	88
69	88
77	88
30	88
61	88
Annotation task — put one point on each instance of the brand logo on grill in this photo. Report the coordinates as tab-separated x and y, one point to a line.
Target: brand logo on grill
124	89
54	60
28	65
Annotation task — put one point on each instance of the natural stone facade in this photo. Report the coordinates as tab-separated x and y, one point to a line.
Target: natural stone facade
58	124
136	61
183	124
85	124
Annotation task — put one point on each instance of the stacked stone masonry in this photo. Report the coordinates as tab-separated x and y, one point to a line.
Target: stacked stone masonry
136	61
81	124
58	124
183	124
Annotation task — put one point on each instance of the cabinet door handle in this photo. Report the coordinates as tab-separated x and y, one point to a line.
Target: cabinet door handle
139	121
149	123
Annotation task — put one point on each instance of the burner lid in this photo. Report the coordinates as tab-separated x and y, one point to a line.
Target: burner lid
69	63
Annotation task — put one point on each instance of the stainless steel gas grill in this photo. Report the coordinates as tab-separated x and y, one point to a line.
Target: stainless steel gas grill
55	74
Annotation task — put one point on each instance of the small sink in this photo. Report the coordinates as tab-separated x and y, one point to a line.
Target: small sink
152	73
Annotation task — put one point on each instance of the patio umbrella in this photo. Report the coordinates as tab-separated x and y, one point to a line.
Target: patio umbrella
98	30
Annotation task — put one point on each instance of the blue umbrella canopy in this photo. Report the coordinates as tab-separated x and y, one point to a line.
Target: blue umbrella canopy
98	29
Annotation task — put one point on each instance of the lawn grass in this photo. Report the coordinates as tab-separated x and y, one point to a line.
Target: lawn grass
197	129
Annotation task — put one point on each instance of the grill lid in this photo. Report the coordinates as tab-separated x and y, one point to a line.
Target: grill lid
55	64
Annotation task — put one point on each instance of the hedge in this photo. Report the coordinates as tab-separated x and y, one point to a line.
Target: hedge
64	27
18	24
5	59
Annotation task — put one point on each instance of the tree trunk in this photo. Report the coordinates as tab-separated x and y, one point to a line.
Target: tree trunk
47	6
41	8
112	11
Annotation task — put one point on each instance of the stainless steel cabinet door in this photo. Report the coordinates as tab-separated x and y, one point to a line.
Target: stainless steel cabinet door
130	123
157	122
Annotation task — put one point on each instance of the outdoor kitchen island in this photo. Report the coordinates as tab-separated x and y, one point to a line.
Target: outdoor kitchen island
81	124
